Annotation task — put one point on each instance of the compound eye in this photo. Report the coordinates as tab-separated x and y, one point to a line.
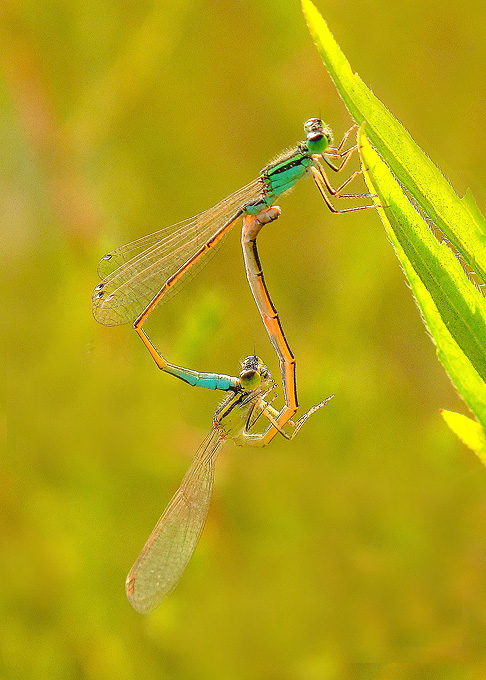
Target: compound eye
250	380
312	125
316	138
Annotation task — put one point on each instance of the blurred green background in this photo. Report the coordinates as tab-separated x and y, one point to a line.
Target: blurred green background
359	549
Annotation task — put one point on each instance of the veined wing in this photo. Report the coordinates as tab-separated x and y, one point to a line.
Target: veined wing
131	281
171	544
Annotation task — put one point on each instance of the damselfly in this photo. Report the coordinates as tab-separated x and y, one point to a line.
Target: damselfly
167	552
139	275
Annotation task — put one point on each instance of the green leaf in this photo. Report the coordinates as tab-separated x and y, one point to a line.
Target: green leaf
415	194
451	306
463	225
471	432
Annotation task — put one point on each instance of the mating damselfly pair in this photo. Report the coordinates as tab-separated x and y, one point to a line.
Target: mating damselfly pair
139	275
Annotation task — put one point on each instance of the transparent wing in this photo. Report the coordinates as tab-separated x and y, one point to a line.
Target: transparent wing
171	544
133	274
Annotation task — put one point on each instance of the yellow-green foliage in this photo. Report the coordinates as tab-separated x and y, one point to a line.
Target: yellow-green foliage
360	542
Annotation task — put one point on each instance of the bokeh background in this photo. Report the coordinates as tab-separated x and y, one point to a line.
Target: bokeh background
359	549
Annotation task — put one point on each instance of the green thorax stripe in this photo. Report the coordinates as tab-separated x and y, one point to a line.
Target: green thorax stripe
291	159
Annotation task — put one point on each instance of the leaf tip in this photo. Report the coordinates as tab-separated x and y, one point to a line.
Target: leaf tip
469	431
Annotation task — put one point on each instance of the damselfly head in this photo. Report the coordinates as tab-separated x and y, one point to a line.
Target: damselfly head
319	136
313	125
253	373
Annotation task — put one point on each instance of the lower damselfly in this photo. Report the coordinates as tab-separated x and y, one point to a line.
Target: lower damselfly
168	550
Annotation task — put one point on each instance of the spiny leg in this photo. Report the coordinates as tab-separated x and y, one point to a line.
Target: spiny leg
337	193
345	156
272	415
324	187
322	181
260	439
337	152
